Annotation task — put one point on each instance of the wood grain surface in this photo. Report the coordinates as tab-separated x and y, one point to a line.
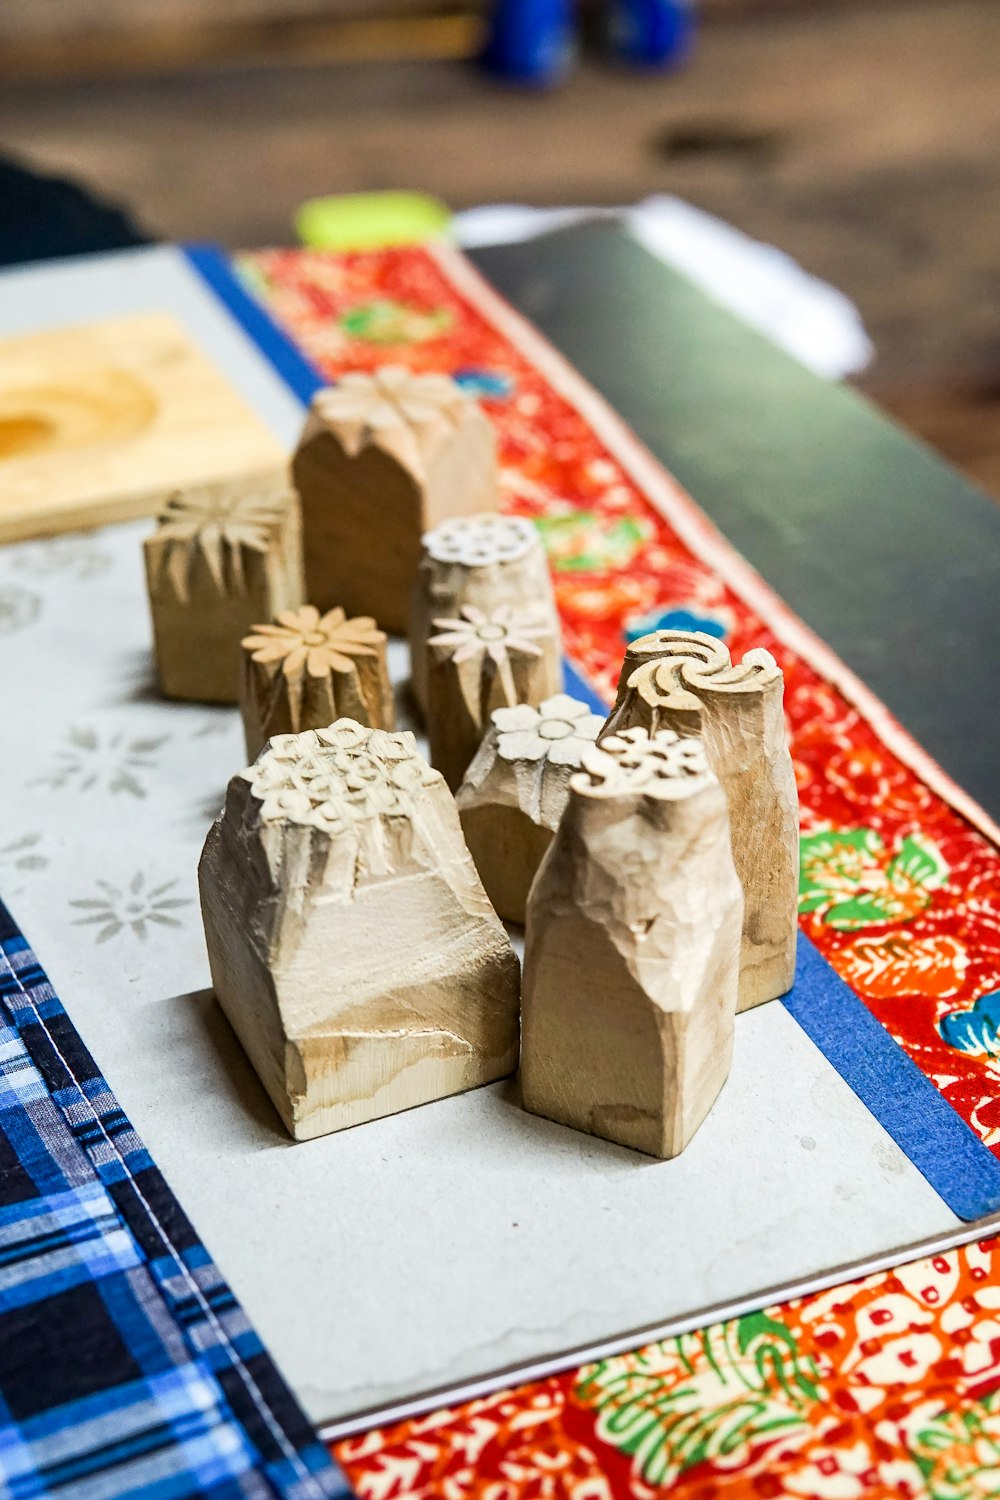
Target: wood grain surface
100	422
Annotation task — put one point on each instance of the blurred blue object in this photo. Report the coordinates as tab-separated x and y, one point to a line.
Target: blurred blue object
531	41
651	33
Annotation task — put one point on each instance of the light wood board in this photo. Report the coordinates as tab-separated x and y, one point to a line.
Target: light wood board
100	421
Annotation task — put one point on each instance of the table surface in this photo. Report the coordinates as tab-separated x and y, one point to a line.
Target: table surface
879	545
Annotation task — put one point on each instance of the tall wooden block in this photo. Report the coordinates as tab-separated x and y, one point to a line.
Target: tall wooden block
223	555
685	681
478	662
307	669
486	561
351	943
382	459
515	792
632	951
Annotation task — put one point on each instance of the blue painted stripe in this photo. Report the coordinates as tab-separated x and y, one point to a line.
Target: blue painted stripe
903	1100
577	686
301	377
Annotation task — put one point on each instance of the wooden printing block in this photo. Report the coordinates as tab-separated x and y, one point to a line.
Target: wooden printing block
351	943
486	561
307	669
516	789
685	681
382	459
223	555
632	948
478	662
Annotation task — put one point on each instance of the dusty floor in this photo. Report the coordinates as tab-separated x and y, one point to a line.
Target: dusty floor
866	142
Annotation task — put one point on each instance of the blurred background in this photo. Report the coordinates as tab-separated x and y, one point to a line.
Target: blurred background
862	137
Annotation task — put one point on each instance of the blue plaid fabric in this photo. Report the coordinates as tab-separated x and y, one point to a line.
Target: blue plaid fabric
127	1367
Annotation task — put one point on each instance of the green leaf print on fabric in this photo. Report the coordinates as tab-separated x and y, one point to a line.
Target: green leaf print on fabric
849	880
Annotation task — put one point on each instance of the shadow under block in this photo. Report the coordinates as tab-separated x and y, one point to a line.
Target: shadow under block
480	662
486	561
306	670
515	792
685	681
223	556
382	459
100	422
632	950
351	944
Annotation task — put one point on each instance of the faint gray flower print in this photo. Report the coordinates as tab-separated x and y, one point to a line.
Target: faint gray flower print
113	762
134	910
22	857
78	555
18	609
219	723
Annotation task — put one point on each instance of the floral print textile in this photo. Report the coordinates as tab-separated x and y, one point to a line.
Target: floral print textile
889	1386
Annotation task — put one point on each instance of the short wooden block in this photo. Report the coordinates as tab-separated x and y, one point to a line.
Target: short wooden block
223	555
308	669
685	681
382	459
515	792
486	561
478	662
632	949
351	943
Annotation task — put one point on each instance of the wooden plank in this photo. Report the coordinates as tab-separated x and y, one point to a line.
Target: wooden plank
100	422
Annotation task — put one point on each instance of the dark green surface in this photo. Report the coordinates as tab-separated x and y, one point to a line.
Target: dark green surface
875	542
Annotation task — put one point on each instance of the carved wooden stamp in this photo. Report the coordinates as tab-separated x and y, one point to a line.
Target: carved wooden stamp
308	669
686	682
382	459
478	662
632	952
223	555
516	789
486	561
351	943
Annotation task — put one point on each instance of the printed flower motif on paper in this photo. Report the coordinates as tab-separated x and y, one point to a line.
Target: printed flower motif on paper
18	609
897	964
77	554
848	879
114	763
559	730
133	910
724	1397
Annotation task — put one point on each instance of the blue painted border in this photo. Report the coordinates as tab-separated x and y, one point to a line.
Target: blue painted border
301	377
904	1101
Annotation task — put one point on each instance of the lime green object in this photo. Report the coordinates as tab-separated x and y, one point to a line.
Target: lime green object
371	221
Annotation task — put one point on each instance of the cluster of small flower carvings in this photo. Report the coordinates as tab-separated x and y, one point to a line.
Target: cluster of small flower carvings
476	634
390	398
481	541
559	731
219	521
679	663
660	765
331	778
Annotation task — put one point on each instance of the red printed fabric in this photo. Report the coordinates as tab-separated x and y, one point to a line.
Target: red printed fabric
881	1388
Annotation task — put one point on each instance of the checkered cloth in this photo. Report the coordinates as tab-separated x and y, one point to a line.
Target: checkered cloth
127	1367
